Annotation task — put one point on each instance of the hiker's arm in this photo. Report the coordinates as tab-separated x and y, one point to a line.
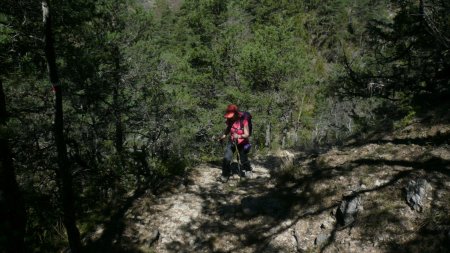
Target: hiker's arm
225	133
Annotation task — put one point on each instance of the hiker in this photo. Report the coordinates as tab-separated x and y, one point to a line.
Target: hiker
239	129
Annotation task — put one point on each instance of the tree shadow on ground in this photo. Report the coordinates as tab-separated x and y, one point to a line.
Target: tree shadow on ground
112	239
271	208
377	221
272	162
435	140
264	212
426	240
434	233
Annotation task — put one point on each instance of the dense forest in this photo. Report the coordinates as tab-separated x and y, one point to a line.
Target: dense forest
100	100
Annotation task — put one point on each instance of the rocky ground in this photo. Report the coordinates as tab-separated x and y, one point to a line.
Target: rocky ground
391	194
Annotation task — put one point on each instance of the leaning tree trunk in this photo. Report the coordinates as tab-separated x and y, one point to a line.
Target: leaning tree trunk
12	210
64	173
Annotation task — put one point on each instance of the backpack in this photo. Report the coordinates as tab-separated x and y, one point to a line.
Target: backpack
248	117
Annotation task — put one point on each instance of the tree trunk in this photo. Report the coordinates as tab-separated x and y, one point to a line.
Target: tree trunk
12	210
118	137
283	138
118	140
267	144
64	173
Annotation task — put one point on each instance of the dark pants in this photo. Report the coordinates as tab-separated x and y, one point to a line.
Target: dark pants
228	157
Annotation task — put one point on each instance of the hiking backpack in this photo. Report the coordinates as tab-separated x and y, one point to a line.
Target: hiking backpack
248	117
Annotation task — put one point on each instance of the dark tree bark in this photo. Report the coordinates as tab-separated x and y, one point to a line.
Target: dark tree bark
64	171
119	136
12	210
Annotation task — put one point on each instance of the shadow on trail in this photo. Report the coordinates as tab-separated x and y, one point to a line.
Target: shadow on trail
374	222
111	239
434	140
263	213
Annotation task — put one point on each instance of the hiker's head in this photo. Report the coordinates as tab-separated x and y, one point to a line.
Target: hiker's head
232	111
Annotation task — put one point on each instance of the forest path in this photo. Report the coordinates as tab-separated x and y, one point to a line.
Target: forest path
292	202
205	215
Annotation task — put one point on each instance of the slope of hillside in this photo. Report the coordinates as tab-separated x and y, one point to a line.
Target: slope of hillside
348	199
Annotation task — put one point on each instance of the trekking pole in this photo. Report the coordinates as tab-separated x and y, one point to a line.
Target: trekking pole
220	141
238	158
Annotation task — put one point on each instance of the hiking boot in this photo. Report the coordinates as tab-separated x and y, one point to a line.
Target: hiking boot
247	174
223	179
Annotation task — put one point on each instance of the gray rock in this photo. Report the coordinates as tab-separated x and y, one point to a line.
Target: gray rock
153	237
298	240
416	193
348	209
380	182
321	239
181	188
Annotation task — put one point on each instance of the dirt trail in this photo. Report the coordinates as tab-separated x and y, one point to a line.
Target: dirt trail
291	203
204	215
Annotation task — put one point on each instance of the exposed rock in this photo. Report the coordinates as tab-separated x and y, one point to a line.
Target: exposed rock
285	242
153	237
416	193
298	242
380	182
348	209
321	239
181	187
303	234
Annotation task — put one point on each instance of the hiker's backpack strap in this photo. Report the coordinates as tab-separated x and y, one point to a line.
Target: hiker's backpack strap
245	116
241	120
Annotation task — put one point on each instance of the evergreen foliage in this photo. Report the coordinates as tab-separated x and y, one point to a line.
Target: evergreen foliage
146	82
